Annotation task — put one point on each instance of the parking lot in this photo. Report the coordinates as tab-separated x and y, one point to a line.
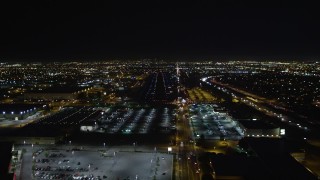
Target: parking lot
95	163
136	120
214	125
113	120
69	116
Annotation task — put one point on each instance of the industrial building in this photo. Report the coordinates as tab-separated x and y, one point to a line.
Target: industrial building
258	128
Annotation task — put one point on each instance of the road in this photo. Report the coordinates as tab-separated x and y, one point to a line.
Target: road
20	123
188	165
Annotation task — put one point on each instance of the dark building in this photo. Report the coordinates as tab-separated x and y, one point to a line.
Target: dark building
275	156
5	158
239	167
259	128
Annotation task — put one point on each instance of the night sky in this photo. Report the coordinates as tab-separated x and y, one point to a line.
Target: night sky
51	29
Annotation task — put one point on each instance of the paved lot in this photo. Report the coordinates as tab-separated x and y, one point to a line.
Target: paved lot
96	163
136	120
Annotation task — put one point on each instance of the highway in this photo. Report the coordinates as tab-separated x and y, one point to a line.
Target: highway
268	107
19	123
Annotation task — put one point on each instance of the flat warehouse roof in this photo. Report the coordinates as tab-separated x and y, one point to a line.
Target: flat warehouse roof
256	124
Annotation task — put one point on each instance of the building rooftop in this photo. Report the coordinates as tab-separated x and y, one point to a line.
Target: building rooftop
239	166
250	124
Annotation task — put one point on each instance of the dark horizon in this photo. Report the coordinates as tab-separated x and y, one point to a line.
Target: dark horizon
204	30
